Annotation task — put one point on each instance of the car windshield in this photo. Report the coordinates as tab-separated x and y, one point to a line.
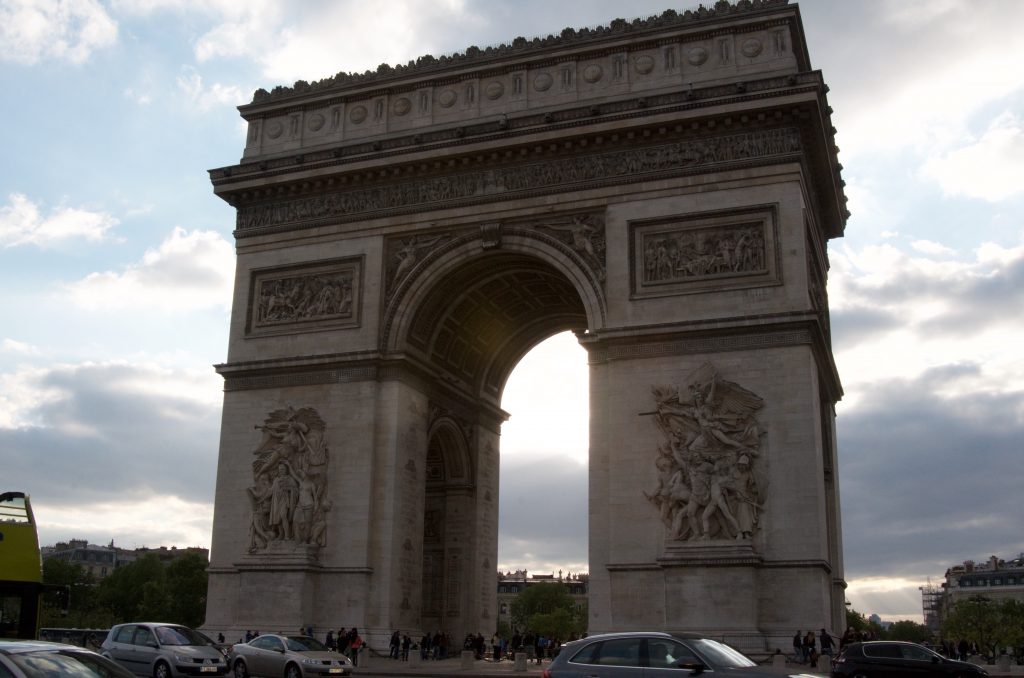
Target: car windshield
180	635
304	644
720	655
59	664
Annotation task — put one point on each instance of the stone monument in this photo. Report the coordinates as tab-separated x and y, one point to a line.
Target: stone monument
665	188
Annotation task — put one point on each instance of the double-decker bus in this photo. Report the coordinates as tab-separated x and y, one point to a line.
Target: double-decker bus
21	568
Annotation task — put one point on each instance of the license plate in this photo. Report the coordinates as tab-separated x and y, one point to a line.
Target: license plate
207	669
335	669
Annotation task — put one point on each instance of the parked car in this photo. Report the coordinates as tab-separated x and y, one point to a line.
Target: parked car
42	659
651	655
163	651
289	656
894	659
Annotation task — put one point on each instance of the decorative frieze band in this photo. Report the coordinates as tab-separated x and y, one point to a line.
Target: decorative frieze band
630	165
739	342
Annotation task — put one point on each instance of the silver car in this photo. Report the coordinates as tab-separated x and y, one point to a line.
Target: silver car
651	655
290	656
163	651
42	659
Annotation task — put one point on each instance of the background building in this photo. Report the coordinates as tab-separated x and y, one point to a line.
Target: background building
100	561
996	579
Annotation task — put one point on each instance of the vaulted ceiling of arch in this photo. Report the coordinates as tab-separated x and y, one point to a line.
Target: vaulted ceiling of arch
478	322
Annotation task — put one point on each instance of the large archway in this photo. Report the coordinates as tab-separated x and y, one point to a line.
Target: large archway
663	188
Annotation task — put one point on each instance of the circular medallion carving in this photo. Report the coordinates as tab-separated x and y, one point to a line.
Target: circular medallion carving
751	48
697	56
543	82
275	129
644	64
494	90
316	122
592	73
447	98
357	114
401	106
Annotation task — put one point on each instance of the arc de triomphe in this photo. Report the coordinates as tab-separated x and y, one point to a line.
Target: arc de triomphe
665	188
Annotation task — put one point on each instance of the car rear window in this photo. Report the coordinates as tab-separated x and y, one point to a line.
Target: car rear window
63	664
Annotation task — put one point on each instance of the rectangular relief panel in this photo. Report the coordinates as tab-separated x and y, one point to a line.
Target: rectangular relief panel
687	254
322	295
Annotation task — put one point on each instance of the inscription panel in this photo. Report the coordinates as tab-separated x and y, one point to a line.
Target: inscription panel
323	295
693	253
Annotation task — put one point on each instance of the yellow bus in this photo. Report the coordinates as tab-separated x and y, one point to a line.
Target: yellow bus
21	568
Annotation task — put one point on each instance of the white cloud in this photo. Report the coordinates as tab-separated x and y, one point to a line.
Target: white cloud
897	315
207	97
189	270
19	347
141	98
21	223
930	247
990	168
129	524
70	30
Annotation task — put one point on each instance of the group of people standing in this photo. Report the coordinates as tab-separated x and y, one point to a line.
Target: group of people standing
806	647
347	642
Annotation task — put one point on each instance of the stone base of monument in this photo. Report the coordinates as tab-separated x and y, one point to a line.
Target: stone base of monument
414	658
467	658
520	662
364	657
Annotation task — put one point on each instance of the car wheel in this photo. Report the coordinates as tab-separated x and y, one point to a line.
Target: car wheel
241	671
292	672
161	670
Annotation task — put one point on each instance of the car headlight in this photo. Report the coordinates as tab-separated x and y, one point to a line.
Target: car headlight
182	658
309	660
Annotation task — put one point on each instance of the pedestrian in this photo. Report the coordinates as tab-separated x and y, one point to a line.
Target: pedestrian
798	648
811	649
406	644
329	640
827	644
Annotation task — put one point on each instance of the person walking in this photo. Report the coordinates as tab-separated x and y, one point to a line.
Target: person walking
798	648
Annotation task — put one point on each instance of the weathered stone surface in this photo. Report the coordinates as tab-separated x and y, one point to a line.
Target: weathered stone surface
666	190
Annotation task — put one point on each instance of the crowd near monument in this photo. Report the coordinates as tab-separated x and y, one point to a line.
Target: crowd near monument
663	187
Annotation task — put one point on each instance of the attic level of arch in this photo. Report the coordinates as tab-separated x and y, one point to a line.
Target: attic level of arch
509	126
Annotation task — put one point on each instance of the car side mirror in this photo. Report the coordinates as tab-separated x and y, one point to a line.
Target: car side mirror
935	660
153	645
695	668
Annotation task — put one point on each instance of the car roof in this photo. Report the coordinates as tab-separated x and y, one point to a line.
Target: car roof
632	634
18	646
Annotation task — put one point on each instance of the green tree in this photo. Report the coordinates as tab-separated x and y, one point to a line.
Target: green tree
981	620
80	587
547	609
909	631
186	590
135	591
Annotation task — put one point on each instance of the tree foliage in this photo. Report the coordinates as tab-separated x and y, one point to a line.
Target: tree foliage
548	609
147	589
909	631
993	625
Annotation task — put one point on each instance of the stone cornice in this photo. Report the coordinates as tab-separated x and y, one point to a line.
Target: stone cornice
703	18
580	172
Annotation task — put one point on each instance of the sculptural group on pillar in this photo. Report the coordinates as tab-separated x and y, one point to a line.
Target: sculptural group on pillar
288	497
707	487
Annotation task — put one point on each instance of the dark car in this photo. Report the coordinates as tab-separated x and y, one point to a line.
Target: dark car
163	651
893	659
42	659
651	655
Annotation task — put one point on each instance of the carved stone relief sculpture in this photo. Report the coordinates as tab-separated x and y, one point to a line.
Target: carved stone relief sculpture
700	253
707	485
302	297
288	495
584	233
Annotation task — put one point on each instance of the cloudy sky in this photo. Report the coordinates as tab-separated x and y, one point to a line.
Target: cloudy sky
116	261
